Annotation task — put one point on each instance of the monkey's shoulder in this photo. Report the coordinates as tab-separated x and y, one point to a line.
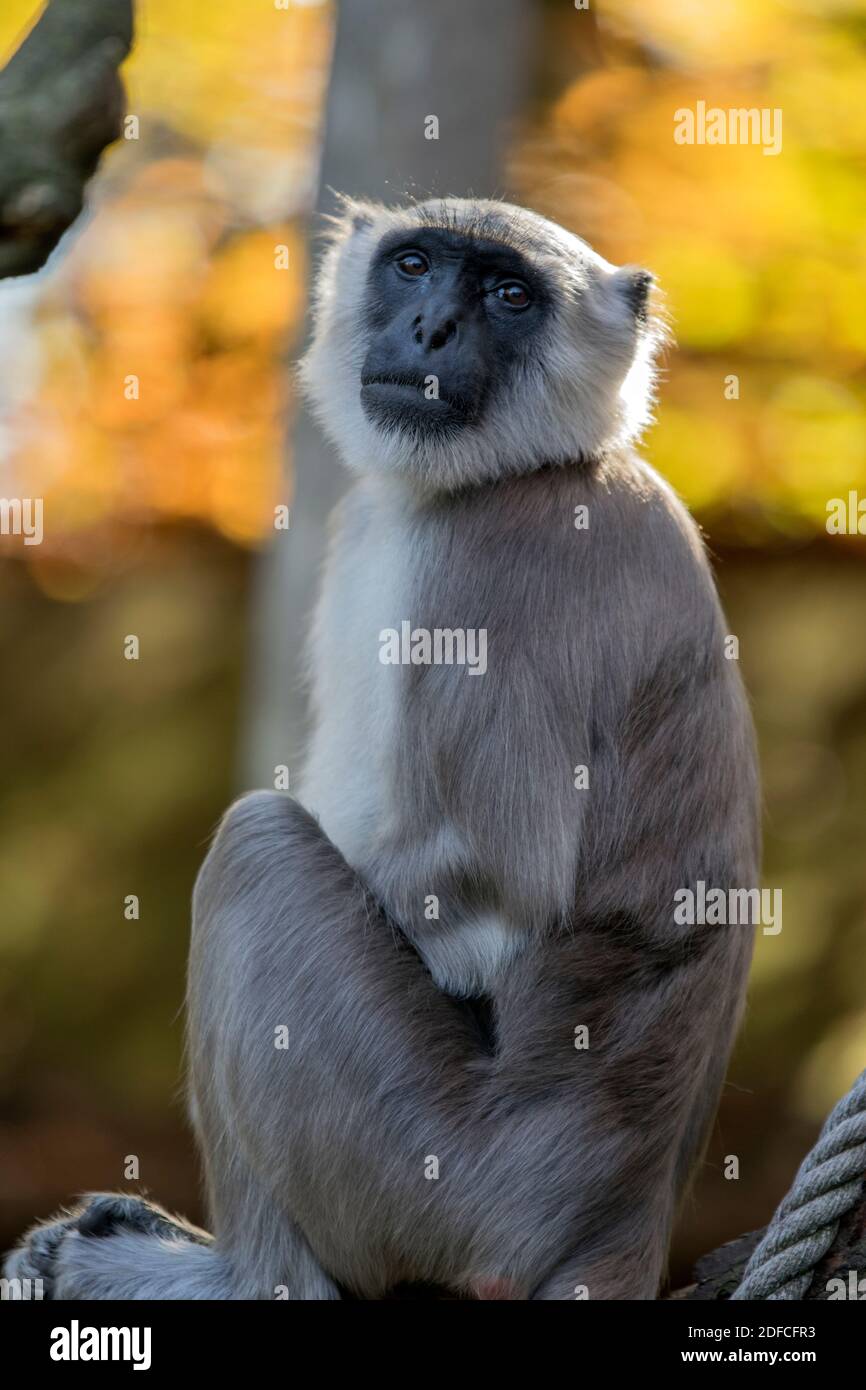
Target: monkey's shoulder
611	534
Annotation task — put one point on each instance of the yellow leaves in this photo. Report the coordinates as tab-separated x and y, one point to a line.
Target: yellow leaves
250	73
796	439
247	296
822	92
678	448
162	331
150	245
686	31
600	103
175	277
816	430
203	335
761	258
235	508
814	305
710	293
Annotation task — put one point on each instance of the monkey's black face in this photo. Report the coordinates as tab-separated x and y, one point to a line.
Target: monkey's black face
448	317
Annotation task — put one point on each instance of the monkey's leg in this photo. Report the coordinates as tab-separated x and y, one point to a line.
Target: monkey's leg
319	1049
637	1237
239	932
267	1254
339	1094
115	1246
359	1097
630	1028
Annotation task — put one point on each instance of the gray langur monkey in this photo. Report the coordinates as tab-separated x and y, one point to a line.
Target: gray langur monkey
503	1049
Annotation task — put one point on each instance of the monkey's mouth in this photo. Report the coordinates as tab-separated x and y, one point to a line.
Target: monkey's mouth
413	380
410	400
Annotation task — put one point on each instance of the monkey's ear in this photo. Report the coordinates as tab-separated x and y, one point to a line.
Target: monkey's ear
634	285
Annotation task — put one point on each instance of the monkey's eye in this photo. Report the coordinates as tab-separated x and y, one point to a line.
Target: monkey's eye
412	264
515	295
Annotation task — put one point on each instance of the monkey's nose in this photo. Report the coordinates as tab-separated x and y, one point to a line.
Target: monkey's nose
432	339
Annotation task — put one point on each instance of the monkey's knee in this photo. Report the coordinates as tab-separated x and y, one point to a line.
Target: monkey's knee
248	850
250	825
269	855
257	827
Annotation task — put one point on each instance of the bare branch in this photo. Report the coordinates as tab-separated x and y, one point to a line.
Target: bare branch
61	102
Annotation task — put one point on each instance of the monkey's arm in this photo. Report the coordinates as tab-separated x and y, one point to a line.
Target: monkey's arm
613	1043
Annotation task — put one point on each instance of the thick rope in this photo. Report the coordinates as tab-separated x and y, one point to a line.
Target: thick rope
828	1185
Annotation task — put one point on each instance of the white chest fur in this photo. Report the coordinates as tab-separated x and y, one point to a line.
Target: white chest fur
366	588
369	587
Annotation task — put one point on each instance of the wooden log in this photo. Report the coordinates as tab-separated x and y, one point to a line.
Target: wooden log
718	1273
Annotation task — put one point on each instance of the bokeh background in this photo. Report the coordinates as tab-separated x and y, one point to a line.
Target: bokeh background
159	515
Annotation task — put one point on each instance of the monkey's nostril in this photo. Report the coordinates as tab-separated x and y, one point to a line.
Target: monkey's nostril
443	335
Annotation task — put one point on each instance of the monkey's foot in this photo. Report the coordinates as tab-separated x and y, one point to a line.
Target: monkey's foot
31	1263
43	1252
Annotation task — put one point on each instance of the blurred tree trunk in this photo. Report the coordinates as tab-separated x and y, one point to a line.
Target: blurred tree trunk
395	63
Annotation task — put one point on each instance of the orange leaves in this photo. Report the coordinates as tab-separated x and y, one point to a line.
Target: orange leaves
255	288
162	328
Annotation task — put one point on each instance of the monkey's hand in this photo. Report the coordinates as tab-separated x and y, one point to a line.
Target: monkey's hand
35	1256
52	1251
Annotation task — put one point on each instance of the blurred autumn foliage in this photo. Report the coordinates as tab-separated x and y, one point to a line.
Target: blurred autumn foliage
761	257
188	275
153	383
